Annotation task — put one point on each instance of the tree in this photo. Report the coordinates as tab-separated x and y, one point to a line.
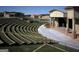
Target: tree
18	14
1	14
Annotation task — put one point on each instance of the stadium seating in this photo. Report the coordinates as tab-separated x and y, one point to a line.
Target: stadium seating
15	31
4	37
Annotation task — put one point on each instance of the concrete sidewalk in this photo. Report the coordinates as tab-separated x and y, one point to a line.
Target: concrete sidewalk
58	36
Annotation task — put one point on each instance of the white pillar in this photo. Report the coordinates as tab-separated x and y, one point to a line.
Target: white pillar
73	29
49	22
53	23
57	23
67	26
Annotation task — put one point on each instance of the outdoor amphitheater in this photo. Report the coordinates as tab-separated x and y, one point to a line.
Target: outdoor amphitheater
17	35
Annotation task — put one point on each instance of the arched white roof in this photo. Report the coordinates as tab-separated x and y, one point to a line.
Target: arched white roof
57	13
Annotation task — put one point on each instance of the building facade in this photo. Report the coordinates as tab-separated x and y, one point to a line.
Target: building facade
58	18
35	16
68	19
11	14
73	20
44	16
40	16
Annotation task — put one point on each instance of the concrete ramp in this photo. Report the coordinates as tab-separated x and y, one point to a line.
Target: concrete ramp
58	36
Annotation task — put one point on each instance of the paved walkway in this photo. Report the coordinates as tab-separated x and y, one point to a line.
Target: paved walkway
58	36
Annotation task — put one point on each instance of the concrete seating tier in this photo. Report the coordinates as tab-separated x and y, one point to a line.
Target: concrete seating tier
15	31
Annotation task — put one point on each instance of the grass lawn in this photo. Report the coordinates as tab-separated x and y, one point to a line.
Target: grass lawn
21	48
32	47
47	48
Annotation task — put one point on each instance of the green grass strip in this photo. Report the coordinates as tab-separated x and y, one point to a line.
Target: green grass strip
39	48
58	48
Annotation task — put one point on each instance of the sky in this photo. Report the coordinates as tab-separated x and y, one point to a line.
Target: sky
30	9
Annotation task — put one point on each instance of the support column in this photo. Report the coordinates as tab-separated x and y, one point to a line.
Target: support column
57	24
73	29
67	26
53	22
50	22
